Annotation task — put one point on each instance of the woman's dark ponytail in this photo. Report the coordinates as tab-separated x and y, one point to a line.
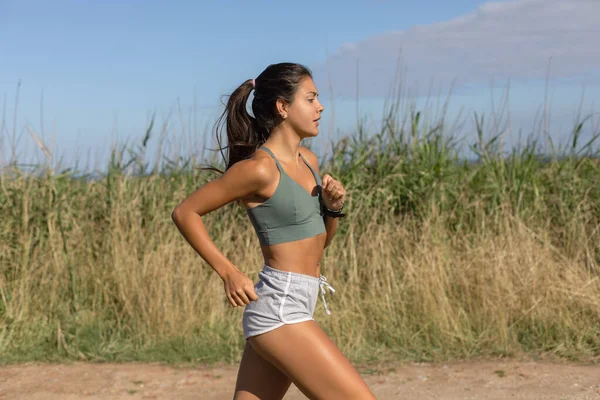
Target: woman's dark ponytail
243	134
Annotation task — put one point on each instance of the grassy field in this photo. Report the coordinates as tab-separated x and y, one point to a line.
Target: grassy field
438	257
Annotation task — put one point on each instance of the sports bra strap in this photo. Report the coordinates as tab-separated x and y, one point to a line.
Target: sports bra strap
265	148
317	178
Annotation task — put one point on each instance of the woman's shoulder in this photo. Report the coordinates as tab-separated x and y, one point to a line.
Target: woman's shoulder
259	167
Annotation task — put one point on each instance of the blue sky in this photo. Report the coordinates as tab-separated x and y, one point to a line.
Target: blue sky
101	68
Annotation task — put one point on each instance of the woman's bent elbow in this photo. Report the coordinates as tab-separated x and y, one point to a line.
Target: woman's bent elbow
177	215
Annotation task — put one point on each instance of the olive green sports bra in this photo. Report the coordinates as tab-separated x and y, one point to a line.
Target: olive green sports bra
291	213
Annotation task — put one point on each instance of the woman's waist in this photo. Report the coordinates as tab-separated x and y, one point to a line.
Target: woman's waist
300	267
296	256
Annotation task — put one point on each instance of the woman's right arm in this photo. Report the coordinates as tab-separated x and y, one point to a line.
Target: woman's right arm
244	179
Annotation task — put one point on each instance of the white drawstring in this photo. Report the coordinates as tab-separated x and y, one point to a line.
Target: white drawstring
322	284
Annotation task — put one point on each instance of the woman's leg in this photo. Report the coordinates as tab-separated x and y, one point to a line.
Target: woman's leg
312	361
259	379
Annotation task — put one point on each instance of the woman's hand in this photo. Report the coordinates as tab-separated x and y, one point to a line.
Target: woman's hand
333	193
239	288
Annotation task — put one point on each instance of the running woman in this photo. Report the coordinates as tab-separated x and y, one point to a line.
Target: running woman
295	213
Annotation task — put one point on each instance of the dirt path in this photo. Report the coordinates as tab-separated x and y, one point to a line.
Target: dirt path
451	381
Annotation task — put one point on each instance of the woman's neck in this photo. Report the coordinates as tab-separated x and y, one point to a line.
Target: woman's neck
286	143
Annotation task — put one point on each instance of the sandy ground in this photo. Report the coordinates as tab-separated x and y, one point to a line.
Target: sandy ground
505	379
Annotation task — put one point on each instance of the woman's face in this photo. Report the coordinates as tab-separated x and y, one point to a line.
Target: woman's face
305	111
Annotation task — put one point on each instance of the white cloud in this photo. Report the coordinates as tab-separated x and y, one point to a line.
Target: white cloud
516	39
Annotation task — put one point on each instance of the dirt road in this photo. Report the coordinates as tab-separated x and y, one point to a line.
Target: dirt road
506	379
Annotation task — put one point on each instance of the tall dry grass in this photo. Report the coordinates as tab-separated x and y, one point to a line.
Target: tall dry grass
437	258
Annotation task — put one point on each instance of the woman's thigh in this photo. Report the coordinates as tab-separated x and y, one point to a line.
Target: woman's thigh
312	361
259	379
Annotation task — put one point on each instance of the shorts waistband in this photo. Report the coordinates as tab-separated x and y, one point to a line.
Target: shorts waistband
296	277
285	275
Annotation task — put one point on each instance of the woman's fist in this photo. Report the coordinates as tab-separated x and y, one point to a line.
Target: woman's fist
333	193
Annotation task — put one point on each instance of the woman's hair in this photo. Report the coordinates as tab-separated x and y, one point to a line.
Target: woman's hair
245	133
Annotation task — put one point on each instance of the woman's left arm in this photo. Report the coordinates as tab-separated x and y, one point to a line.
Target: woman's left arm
333	194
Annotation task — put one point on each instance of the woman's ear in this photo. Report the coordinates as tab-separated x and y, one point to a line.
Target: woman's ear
282	108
